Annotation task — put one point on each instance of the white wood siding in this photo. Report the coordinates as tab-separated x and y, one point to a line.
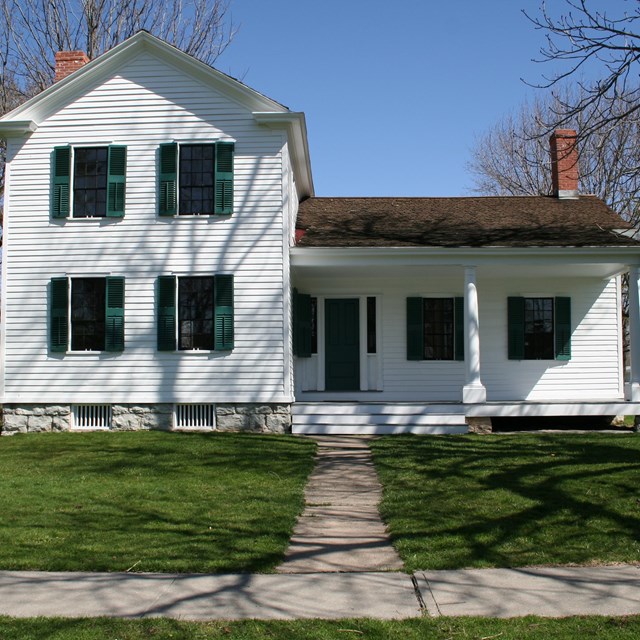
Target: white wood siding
148	103
593	373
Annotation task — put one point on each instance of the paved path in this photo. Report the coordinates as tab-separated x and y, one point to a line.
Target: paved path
340	528
555	592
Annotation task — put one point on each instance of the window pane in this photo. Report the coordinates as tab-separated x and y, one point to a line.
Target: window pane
87	314
314	325
197	166
538	329
90	182
438	328
371	324
195	313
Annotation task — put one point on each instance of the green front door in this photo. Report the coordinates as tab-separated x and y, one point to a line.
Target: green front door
342	344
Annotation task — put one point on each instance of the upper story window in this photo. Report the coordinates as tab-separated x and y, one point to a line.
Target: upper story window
196	179
88	182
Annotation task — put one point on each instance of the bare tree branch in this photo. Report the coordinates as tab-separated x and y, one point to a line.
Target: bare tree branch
588	41
513	157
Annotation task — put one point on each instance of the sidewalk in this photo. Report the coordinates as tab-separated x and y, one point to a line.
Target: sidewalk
553	592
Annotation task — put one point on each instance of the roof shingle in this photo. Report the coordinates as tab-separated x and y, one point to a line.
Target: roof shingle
496	221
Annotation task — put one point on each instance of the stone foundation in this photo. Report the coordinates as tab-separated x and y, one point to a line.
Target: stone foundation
254	418
31	418
479	425
141	417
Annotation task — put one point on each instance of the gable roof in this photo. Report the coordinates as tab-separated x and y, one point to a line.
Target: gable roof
491	221
25	119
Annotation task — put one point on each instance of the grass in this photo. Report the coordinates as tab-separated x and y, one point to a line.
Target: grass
529	628
150	501
511	500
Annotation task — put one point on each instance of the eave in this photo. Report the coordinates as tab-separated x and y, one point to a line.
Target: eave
588	261
294	124
17	127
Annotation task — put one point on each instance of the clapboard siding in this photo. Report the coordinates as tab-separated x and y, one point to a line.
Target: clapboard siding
593	373
147	103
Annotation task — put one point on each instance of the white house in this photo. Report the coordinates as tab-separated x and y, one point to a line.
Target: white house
167	265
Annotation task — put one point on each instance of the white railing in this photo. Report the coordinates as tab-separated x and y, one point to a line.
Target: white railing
92	416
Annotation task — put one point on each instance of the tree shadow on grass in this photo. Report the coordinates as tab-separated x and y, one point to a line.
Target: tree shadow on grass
511	501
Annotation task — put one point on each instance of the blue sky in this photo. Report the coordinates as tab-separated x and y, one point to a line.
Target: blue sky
394	92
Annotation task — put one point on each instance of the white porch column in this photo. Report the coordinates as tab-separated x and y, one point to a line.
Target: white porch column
473	390
634	332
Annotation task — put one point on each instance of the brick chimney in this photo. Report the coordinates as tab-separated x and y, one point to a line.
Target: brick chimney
69	61
564	163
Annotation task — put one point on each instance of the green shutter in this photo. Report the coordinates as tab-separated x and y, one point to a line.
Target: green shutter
223	324
168	180
114	320
166	313
59	315
458	328
515	329
116	181
224	178
61	179
563	328
301	324
415	329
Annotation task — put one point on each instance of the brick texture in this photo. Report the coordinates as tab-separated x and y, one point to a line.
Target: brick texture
69	61
564	161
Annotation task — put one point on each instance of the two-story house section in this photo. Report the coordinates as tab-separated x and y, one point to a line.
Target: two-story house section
148	213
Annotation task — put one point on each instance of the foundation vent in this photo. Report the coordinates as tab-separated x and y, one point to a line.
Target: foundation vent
195	416
92	416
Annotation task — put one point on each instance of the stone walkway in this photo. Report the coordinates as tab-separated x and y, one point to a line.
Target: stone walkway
340	529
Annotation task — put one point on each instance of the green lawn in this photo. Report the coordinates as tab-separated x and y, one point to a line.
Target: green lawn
530	628
150	501
511	500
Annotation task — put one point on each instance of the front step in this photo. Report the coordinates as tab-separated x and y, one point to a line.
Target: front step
377	418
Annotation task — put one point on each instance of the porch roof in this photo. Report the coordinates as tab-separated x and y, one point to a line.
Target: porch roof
489	221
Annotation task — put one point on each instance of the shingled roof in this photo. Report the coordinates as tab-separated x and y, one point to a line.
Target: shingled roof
493	221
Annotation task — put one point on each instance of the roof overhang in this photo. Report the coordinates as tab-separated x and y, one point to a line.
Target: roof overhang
295	125
17	127
602	262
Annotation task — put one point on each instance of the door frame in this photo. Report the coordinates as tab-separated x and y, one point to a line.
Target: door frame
366	360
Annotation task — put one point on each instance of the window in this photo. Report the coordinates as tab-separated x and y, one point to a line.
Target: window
435	329
196	179
539	328
87	314
89	181
195	313
371	325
